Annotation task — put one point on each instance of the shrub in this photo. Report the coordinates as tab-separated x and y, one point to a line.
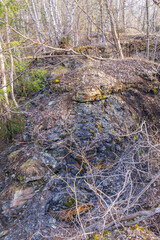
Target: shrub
9	127
31	82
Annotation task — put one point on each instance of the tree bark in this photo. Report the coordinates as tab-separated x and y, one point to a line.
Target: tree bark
4	83
101	17
55	26
47	21
65	28
147	34
124	15
72	14
36	21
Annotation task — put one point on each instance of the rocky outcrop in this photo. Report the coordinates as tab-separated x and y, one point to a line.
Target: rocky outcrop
87	145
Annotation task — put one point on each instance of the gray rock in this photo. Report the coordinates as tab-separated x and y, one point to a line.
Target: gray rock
26	137
49	160
52	220
50	103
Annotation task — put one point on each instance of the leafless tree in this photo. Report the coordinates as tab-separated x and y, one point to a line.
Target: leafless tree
47	21
114	29
4	82
148	29
35	20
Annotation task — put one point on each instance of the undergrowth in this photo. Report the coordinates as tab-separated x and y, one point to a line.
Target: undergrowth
11	126
31	82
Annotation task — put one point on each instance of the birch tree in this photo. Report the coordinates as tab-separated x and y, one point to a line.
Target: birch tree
147	34
72	14
101	17
4	83
124	14
70	7
35	20
54	22
47	21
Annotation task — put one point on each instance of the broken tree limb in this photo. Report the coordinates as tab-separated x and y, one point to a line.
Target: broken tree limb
126	221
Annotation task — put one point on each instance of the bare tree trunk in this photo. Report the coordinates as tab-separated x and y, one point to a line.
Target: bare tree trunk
78	29
47	20
114	30
124	15
35	20
152	27
101	16
56	17
144	20
87	20
69	18
4	83
10	55
117	13
72	14
55	27
147	34
65	28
